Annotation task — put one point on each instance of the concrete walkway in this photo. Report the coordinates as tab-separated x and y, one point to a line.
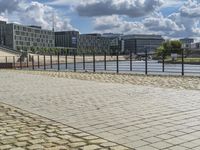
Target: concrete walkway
139	117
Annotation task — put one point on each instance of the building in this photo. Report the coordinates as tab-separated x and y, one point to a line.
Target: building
115	42
20	37
139	43
187	42
67	40
93	43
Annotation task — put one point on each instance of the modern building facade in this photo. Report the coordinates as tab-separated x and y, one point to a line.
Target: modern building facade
67	40
93	43
187	42
115	42
139	43
20	37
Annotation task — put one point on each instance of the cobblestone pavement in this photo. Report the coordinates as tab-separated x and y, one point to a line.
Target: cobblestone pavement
22	130
139	117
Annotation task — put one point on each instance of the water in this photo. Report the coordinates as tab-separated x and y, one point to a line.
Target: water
137	67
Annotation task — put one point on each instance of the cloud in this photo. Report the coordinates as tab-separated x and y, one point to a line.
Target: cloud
190	9
131	8
35	13
117	24
183	23
161	23
9	5
2	18
63	2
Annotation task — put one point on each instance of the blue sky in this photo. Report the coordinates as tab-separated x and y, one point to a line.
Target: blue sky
170	18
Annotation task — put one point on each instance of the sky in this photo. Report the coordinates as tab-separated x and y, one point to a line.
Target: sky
169	18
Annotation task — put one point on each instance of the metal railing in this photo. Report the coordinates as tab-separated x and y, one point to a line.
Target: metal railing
104	63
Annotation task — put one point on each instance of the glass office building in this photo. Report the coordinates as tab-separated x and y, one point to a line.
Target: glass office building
20	37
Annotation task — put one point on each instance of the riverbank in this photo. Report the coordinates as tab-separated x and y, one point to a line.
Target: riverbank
177	82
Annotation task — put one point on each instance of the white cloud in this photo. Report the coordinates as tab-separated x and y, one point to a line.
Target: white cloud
63	2
183	23
2	18
35	13
117	24
131	8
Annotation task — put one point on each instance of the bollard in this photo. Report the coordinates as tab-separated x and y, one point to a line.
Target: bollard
117	62
131	61
94	65
105	61
44	62
83	61
146	62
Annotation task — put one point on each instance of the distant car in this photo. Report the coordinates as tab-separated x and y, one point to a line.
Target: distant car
143	58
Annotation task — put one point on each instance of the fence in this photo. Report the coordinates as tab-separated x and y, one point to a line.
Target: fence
145	63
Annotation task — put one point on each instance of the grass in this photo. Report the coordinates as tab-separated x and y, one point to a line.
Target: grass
186	60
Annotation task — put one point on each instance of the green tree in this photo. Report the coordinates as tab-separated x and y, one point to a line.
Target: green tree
33	49
169	47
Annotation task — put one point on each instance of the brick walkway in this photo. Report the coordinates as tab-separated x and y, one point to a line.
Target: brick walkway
139	117
22	130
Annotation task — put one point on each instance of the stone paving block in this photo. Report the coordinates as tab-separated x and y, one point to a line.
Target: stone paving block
90	147
2	147
161	145
39	137
146	148
77	144
36	147
137	112
178	148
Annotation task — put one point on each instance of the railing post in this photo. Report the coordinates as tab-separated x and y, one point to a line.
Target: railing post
131	61
33	67
58	61
6	58
44	62
105	61
13	61
20	62
66	63
183	71
38	61
94	65
163	62
117	62
74	62
27	62
146	62
83	61
51	61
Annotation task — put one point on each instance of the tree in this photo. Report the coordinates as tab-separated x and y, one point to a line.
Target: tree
32	49
169	47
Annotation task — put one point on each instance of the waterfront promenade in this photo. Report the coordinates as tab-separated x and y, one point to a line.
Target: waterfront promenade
120	111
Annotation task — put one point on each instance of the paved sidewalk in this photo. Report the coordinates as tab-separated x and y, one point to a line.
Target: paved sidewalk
140	117
20	130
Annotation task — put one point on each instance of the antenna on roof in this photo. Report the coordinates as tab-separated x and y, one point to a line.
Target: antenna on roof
53	21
